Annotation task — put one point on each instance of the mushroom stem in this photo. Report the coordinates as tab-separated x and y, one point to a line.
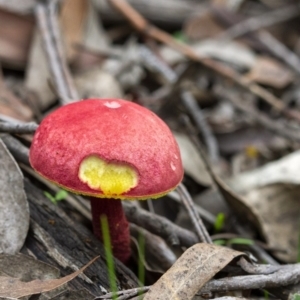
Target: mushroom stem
118	225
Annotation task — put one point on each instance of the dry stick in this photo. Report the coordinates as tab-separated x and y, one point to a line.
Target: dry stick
203	213
47	23
210	141
261	253
126	294
72	92
153	61
261	21
146	28
264	37
260	118
286	275
186	199
279	50
196	220
159	225
19	128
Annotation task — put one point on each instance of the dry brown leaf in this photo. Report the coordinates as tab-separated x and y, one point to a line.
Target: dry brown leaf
11	105
15	36
270	72
202	26
191	271
277	209
14	288
72	18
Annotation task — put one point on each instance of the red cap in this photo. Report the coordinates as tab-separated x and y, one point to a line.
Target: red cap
101	139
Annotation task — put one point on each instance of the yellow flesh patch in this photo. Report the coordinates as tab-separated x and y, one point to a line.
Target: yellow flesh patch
110	178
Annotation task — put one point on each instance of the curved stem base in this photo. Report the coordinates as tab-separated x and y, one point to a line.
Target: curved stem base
118	225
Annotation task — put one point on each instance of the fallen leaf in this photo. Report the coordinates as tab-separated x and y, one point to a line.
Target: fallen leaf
267	198
202	26
191	271
96	83
12	106
26	268
284	170
277	210
14	288
270	72
14	210
230	52
192	161
38	73
72	18
15	37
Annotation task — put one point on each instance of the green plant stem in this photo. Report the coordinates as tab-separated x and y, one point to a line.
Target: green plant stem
109	256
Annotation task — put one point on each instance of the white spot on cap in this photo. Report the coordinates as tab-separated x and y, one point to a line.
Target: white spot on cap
176	157
172	166
112	104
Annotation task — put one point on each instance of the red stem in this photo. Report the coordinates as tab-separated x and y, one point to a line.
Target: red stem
118	225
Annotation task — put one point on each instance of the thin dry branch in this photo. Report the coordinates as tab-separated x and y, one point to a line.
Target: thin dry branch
18	128
277	127
47	22
210	140
274	46
158	225
142	25
188	202
286	275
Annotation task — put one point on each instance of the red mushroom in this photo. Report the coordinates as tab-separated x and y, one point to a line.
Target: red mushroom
108	149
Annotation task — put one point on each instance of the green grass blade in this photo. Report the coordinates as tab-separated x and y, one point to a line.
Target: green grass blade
109	256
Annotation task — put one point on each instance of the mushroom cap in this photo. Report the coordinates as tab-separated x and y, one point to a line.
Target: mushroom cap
116	133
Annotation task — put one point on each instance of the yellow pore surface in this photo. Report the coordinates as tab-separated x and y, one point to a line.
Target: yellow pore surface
111	178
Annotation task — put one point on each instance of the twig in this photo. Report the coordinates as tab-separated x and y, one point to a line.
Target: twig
283	277
19	128
203	213
261	253
286	275
127	294
16	148
196	220
52	4
159	251
188	100
279	50
261	21
257	269
258	117
264	37
154	62
148	29
47	22
159	225
196	112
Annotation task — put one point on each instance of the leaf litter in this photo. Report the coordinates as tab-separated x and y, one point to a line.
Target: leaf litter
14	288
